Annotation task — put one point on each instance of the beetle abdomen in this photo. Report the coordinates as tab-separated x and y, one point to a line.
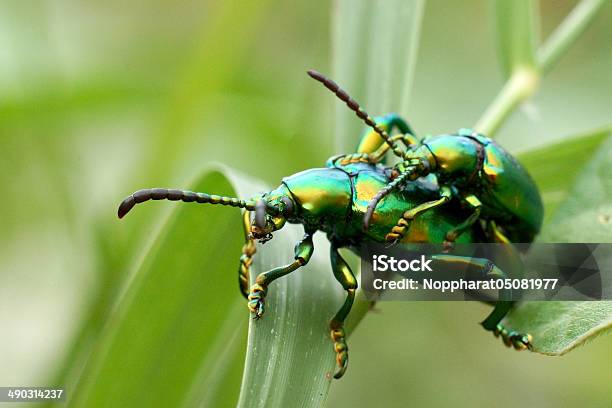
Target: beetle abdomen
514	191
430	226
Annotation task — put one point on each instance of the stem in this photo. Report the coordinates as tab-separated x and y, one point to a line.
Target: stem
524	81
521	85
567	32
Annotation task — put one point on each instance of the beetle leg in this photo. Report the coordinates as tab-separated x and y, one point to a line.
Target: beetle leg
303	252
479	268
398	231
510	337
497	234
246	259
487	270
374	157
407	139
345	276
344	159
453	234
371	141
520	341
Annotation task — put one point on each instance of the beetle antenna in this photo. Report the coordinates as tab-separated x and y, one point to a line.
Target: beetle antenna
406	175
141	196
354	106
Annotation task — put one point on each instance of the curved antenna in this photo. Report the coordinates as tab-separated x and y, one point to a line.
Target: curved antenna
179	195
354	106
406	175
260	213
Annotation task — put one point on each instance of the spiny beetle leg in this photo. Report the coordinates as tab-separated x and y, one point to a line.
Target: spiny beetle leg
371	141
344	275
452	235
520	341
399	230
407	139
257	298
257	295
341	348
487	270
246	258
345	159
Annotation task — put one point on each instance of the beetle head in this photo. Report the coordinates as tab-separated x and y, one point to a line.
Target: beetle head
271	212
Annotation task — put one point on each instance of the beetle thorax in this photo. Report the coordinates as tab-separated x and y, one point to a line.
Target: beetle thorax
322	195
456	157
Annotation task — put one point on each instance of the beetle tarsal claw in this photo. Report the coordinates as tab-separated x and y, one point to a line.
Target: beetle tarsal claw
341	349
448	246
256	302
261	239
391	242
511	338
266	238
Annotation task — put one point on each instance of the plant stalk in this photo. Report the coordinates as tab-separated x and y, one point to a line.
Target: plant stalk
524	81
520	86
566	33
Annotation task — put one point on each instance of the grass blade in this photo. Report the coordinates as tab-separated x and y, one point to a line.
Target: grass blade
374	56
517	25
290	357
517	28
177	330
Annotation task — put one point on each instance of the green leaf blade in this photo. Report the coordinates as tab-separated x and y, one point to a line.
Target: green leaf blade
544	164
558	327
181	312
375	48
583	216
290	358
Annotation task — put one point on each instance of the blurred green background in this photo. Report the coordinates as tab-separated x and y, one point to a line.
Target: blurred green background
100	99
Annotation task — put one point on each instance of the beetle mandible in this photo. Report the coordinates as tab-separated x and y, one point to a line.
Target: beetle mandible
356	199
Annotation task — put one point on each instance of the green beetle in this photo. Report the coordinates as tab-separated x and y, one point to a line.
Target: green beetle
481	174
468	166
336	200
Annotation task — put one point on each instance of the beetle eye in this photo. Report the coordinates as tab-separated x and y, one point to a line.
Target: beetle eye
288	210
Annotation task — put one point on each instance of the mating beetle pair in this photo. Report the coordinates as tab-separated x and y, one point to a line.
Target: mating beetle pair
444	189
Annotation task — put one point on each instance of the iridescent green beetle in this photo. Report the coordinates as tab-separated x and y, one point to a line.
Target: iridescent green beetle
445	189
